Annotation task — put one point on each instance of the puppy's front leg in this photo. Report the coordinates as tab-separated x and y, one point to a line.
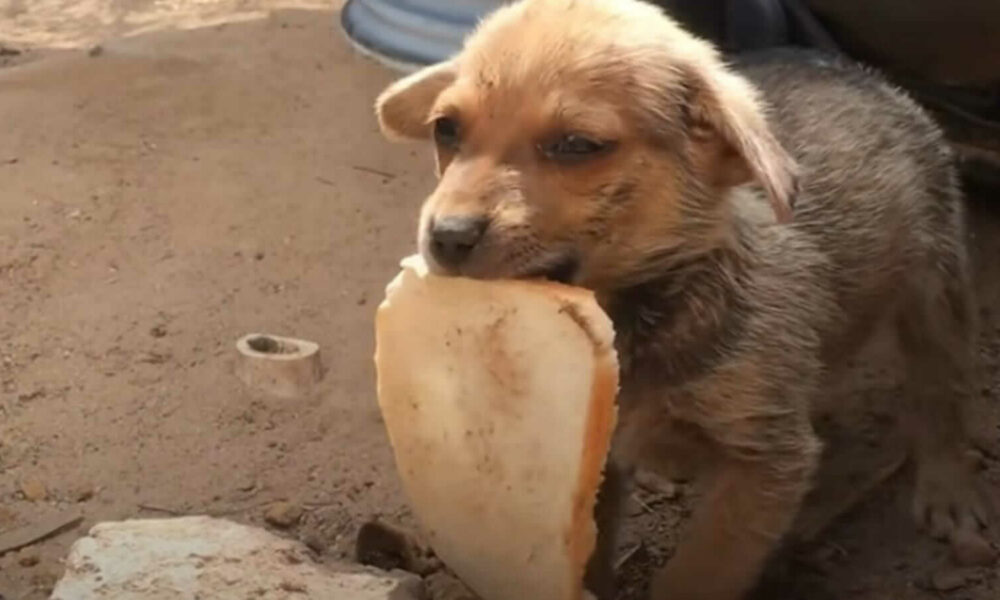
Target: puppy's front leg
748	507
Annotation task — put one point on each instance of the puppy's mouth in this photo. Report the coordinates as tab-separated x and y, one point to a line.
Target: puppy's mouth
563	269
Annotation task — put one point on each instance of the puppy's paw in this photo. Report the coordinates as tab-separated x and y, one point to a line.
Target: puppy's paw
949	505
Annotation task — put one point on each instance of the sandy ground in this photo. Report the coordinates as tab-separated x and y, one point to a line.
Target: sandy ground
80	23
178	189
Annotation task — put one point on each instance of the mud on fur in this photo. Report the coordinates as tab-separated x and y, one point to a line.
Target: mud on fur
746	226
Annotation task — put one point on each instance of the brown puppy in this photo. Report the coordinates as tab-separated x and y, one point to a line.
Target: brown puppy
597	143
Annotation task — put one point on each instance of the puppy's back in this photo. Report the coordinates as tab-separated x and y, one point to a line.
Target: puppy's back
878	190
851	131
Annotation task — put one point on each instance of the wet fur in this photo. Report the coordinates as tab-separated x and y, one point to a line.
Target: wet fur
730	321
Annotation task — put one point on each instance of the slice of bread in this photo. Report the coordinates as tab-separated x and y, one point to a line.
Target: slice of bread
499	400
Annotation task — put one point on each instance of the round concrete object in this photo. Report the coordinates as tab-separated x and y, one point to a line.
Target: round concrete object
279	366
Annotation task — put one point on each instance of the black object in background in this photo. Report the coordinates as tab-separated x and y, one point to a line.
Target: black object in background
946	53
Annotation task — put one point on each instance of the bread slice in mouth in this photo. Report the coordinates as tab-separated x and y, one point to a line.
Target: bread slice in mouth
499	401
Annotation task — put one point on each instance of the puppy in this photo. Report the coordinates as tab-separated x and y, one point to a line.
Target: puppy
595	142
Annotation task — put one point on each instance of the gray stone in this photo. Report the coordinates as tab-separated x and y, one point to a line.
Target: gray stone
200	557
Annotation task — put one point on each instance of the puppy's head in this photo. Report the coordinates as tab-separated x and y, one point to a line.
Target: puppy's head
587	141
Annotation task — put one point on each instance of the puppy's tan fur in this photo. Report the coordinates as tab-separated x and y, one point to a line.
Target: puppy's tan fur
730	314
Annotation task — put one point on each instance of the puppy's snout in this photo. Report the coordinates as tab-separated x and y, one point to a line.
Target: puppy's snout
452	239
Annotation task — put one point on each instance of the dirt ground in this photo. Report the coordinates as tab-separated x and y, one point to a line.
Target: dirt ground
172	191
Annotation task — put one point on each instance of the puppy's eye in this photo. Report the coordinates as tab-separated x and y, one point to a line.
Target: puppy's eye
446	132
573	148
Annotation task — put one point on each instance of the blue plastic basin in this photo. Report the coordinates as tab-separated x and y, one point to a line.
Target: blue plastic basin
408	34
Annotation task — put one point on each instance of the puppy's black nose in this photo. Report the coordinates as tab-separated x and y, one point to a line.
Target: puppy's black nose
453	238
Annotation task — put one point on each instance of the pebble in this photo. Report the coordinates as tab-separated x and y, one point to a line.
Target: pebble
316	542
293	586
824	558
34	490
442	586
85	494
635	507
947	580
971	550
283	514
651	482
389	547
28	560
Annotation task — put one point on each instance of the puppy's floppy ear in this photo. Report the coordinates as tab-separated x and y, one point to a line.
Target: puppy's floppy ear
727	106
404	106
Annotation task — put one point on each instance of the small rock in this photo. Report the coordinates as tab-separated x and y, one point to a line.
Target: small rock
315	541
283	514
85	494
293	586
857	589
635	507
96	51
970	549
388	547
158	331
33	395
822	559
295	556
442	586
44	581
34	490
947	580
655	484
28	560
